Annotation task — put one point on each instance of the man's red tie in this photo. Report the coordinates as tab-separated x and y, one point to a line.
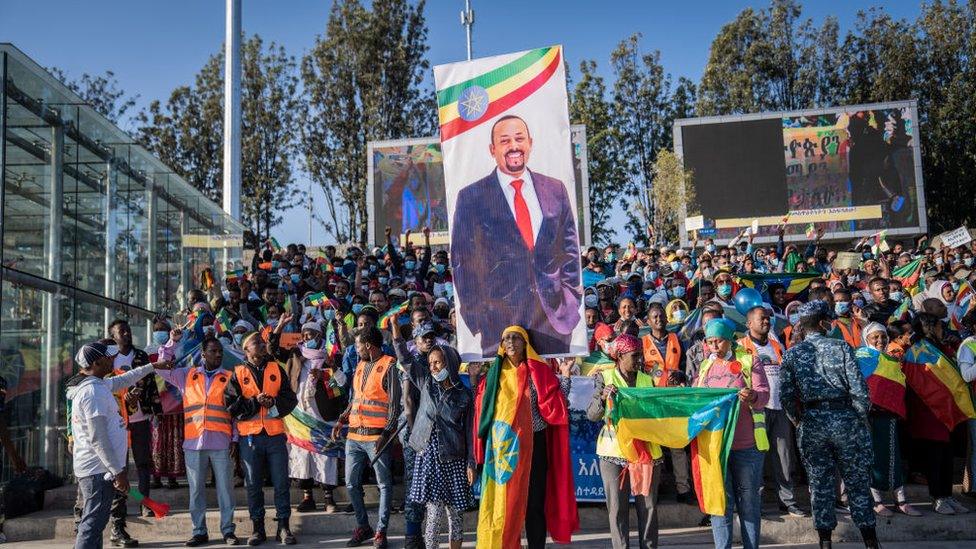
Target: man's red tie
522	217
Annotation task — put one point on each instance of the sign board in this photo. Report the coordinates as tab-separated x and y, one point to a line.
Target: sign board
957	237
695	223
847	260
213	241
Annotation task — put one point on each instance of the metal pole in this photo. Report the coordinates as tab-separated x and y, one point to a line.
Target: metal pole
50	371
3	156
232	111
111	184
309	199
151	252
467	19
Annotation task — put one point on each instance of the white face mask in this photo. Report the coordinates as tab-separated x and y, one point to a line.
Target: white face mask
441	375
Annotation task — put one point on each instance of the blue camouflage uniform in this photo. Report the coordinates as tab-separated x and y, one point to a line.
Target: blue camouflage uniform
822	388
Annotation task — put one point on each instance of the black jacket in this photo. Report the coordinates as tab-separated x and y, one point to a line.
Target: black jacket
245	408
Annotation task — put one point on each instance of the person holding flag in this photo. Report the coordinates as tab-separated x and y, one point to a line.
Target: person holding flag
207	436
522	418
311	367
734	368
822	390
628	371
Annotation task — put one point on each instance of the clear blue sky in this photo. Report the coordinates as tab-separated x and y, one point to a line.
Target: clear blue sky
154	47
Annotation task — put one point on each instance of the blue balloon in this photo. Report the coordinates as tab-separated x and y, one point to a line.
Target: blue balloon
747	299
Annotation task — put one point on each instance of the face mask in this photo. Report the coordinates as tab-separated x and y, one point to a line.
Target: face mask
859	303
441	375
282	273
440	268
773	261
438	290
710	248
968	261
675	265
312	344
357	308
296	278
678	291
679	315
794	318
238	339
383	280
372	268
329	314
938	261
896	296
160	337
652	276
364	273
955	286
410	265
866	255
724	290
842	307
208	330
589	333
449	289
591	300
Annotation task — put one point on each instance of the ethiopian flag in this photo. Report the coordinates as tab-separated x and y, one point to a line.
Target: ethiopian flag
597	361
470	103
310	433
676	416
936	380
796	284
503	419
886	381
908	274
384	321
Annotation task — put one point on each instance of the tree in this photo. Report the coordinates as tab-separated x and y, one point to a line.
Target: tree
642	117
673	191
102	92
588	105
364	81
187	132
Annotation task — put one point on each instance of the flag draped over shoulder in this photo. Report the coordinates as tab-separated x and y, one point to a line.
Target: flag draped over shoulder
676	416
796	284
962	304
503	419
885	380
908	274
936	380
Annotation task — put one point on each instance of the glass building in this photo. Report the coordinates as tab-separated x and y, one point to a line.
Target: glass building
94	228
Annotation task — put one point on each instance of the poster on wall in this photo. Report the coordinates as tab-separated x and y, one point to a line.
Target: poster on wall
508	174
850	170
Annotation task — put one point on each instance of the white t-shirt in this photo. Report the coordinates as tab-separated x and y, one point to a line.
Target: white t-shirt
766	355
93	398
124	362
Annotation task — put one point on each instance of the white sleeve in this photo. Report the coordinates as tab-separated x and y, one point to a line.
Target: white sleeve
128	379
99	439
967	363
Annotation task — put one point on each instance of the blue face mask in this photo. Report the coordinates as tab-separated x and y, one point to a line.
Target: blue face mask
357	308
410	265
591	300
710	248
449	289
675	265
372	268
896	296
440	268
160	337
724	290
312	344
842	307
678	291
794	318
329	314
679	315
384	280
652	276
238	339
441	375
296	278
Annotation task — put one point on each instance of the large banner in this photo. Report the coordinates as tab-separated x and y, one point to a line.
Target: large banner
505	140
853	171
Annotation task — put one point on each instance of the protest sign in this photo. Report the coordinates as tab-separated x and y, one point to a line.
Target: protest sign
694	223
505	140
847	260
957	237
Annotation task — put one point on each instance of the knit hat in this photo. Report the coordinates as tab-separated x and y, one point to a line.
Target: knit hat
719	327
91	352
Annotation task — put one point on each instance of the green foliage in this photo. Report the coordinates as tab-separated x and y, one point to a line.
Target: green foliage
102	92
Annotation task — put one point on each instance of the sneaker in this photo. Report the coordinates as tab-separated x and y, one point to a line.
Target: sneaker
379	540
882	510
196	541
231	539
285	536
959	508
329	505
795	511
360	535
306	506
943	507
907	509
121	538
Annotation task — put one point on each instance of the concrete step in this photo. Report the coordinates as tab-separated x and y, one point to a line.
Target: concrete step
58	525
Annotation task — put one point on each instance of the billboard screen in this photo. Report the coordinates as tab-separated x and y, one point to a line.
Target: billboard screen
405	187
852	170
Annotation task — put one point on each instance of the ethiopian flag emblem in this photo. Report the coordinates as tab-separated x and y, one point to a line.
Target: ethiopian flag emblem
468	104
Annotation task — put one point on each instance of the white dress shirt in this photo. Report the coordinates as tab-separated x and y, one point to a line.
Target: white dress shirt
528	193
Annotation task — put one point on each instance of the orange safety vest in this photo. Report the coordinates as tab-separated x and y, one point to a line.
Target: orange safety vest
852	333
659	367
371	404
249	389
750	346
786	335
204	410
123	408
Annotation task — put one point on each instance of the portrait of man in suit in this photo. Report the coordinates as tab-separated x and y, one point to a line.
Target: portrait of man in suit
514	248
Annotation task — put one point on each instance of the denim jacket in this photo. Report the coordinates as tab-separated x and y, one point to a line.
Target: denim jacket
450	411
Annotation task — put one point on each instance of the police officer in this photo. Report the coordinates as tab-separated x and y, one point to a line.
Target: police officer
824	393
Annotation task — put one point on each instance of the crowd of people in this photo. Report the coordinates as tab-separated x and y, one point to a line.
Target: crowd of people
362	343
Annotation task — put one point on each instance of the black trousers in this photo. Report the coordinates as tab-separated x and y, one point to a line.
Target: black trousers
938	467
535	514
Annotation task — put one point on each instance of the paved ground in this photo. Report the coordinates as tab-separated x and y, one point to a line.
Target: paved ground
691	538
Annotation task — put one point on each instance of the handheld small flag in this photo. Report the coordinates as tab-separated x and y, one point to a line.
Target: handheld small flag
317	300
158	508
811	230
206	280
880	244
223	321
384	322
263	309
234	276
631	253
274	244
964	304
908	274
786	219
